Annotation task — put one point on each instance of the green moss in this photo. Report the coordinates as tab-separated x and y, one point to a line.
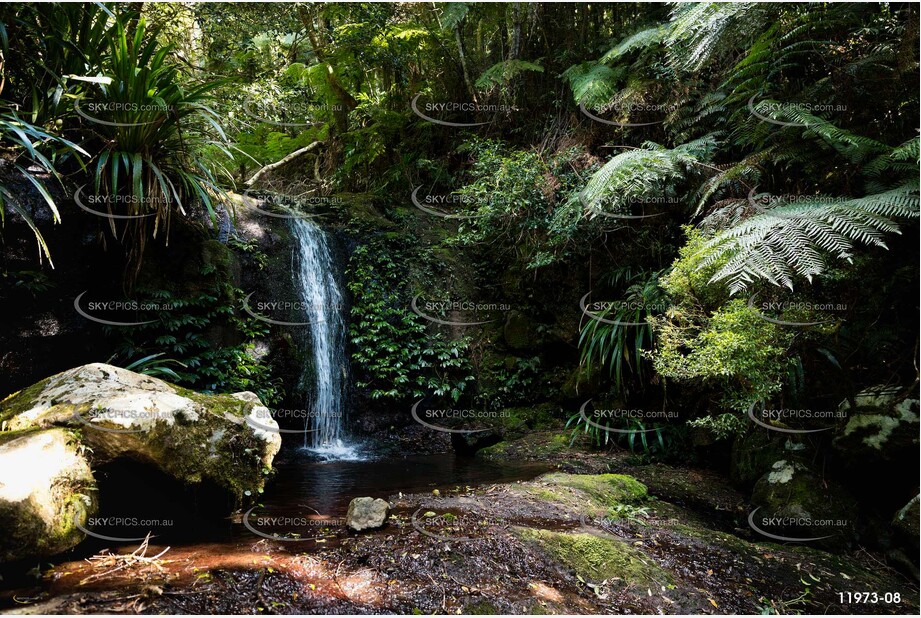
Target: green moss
481	608
20	401
596	558
606	489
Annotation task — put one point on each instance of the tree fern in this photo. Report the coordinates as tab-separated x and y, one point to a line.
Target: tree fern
641	173
639	40
592	84
502	73
792	239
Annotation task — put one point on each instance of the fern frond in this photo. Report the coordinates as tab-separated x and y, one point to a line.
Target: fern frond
792	238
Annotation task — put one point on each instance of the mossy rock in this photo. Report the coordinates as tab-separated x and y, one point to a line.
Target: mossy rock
606	489
536	445
811	507
883	427
229	441
47	492
596	558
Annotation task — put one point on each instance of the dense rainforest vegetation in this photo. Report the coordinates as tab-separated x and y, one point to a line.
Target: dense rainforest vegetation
679	234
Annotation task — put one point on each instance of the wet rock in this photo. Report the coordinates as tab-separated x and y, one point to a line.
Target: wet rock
809	506
365	513
229	441
46	490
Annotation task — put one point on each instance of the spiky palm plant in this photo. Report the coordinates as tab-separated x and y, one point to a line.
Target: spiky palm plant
152	133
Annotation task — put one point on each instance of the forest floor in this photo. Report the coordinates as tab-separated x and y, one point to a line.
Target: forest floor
530	547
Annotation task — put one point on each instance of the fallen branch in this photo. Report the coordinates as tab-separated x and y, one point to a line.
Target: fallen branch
283	161
117	562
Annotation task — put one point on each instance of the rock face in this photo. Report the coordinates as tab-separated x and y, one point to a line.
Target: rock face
884	427
809	506
366	513
906	522
227	440
46	493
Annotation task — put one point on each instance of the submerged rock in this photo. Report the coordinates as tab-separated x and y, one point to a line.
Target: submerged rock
229	441
46	493
366	513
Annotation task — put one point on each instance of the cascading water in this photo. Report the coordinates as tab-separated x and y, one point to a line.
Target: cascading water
322	307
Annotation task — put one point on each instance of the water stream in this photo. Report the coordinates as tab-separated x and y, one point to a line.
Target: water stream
322	303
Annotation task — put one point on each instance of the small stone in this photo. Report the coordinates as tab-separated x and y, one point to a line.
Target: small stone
366	513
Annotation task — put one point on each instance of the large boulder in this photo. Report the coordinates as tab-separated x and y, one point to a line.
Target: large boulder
366	513
794	502
229	441
883	427
46	493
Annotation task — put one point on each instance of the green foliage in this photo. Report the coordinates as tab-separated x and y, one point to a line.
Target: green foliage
180	329
28	141
151	144
502	73
393	353
619	342
733	349
722	426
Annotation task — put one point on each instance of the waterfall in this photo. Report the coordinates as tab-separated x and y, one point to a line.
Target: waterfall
322	308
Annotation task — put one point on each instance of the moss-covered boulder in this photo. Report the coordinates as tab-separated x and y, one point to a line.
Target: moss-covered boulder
791	501
589	495
46	493
598	557
228	441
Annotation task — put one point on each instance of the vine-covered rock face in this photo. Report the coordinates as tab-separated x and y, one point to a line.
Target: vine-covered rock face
228	441
46	493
